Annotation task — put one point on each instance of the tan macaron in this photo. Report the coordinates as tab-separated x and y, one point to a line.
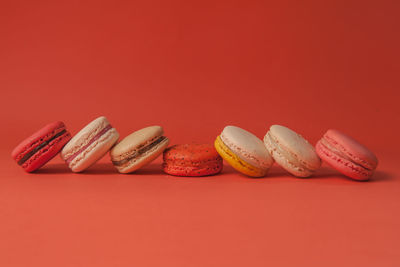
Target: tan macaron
139	149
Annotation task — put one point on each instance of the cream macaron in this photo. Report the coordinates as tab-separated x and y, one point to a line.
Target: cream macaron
89	145
291	151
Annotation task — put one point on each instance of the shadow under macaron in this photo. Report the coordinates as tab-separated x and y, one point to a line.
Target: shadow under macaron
325	172
328	172
149	169
53	168
380	176
100	168
61	168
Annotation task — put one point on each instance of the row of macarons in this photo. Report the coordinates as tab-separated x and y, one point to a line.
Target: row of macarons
241	149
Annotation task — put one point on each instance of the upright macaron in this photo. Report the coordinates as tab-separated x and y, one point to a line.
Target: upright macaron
192	160
42	146
89	145
347	155
243	151
139	149
291	151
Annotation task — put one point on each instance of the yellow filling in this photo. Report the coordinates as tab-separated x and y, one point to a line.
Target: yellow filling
236	162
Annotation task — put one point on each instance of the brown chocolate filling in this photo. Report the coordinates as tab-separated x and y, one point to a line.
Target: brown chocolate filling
39	147
140	151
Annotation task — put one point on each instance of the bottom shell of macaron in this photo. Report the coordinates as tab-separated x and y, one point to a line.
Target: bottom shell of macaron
211	168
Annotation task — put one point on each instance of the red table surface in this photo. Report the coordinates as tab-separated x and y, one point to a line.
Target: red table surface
194	67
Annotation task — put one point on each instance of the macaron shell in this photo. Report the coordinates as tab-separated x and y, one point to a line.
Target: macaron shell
94	151
192	160
46	153
84	136
144	159
236	162
343	165
294	144
352	149
247	146
130	143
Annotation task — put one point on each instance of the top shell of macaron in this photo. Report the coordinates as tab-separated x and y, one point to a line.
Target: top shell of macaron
351	148
294	144
247	146
136	140
84	136
37	138
191	152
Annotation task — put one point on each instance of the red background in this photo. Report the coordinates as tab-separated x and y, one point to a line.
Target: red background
195	67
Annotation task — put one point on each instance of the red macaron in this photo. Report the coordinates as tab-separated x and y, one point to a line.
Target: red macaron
192	160
42	146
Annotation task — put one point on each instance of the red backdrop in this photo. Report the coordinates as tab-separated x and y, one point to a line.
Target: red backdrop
194	67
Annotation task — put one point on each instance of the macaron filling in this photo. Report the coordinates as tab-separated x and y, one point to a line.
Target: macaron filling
96	137
39	147
324	142
142	149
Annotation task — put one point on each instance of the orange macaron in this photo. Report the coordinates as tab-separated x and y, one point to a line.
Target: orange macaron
192	160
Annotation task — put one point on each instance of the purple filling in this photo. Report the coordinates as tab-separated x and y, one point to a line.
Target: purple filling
97	136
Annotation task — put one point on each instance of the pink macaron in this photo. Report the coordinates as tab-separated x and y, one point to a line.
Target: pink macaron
347	155
89	145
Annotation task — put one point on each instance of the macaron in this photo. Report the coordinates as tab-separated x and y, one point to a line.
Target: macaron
192	160
243	151
89	145
347	155
139	149
291	151
42	146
